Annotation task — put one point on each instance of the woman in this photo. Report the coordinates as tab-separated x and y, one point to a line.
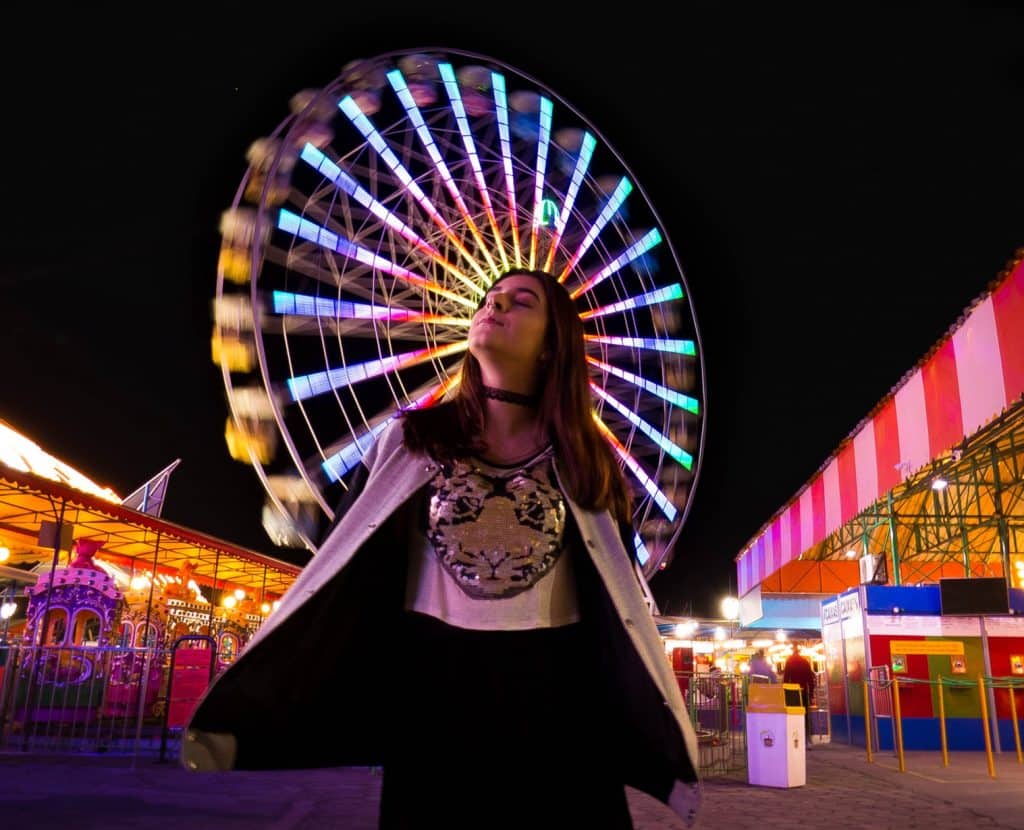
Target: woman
473	620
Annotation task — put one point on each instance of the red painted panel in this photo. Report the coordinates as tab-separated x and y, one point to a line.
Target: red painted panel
887	446
942	400
847	483
1008	305
818	506
794	530
1000	649
915	699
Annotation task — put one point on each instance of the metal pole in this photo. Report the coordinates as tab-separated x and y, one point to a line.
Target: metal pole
997	503
898	721
147	656
893	543
986	657
942	724
213	590
37	647
867	721
984	727
1016	726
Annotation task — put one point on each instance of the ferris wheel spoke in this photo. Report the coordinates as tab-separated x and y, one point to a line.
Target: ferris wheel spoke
319	161
677	453
611	207
451	87
505	142
312	232
397	81
671	395
339	460
326	309
659	344
308	386
631	254
586	152
546	109
655	492
387	155
667	294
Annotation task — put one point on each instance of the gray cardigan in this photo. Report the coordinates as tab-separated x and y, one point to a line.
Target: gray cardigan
292	682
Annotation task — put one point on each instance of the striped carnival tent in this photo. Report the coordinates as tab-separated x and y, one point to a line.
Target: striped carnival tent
929	485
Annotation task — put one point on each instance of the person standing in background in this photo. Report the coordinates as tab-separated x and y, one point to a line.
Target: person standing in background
761	670
798	670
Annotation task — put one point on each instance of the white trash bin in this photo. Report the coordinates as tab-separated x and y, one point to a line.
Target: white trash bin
776	739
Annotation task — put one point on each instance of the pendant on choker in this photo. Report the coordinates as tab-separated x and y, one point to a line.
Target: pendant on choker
497	394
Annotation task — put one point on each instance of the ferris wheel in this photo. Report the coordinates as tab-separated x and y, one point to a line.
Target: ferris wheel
361	238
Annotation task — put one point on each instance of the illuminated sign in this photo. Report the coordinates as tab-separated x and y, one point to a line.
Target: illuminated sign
841	609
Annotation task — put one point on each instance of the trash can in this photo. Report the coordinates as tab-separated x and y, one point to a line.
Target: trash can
776	740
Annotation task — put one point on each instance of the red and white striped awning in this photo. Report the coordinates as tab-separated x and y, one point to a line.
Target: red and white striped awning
965	382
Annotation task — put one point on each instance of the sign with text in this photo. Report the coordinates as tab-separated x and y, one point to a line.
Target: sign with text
926	647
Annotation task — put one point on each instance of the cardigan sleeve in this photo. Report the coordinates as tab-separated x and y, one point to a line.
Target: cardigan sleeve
355	480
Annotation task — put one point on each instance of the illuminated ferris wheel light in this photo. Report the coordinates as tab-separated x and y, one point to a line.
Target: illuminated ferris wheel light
631	254
676	452
578	174
505	142
333	173
611	207
670	395
387	155
312	232
309	386
634	467
451	86
397	82
662	295
540	170
684	347
305	305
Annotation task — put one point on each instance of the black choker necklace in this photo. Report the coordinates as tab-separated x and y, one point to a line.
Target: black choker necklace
510	397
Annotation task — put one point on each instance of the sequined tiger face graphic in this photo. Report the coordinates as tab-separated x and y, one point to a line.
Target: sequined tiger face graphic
495	532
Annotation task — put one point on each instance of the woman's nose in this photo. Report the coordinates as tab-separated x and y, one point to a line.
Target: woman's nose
496	301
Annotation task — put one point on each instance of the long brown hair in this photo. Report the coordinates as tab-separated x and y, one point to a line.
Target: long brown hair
590	471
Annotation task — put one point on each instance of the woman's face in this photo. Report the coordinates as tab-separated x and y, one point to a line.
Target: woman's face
509	329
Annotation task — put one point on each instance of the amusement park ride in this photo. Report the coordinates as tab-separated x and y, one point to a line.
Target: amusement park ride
362	236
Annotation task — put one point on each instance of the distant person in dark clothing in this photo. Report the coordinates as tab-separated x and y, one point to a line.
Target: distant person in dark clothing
798	670
761	669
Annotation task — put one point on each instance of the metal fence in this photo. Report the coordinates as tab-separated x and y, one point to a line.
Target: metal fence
717	706
129	701
85	699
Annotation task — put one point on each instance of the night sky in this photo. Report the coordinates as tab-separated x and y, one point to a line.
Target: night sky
838	186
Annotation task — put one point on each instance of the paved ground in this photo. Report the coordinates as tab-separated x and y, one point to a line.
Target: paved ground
842	791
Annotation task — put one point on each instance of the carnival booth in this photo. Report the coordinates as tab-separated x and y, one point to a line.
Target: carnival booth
948	662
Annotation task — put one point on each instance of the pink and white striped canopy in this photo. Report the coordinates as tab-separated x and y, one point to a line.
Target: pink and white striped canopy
972	376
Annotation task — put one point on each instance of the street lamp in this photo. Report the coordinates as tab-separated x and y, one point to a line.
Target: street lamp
731	608
7	610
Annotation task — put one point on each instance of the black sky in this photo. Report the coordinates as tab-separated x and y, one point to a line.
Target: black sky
837	184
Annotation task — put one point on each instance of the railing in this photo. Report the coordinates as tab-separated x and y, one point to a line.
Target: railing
882	692
82	699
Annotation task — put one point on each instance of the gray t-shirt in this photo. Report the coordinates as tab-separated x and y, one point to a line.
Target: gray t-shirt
491	553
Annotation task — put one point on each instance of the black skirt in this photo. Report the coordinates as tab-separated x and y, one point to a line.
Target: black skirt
499	729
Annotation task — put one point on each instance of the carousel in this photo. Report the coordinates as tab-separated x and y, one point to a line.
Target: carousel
98	641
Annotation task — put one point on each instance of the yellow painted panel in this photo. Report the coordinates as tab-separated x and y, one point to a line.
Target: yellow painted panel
926	647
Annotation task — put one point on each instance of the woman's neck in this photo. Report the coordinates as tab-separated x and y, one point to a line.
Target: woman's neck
511	431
